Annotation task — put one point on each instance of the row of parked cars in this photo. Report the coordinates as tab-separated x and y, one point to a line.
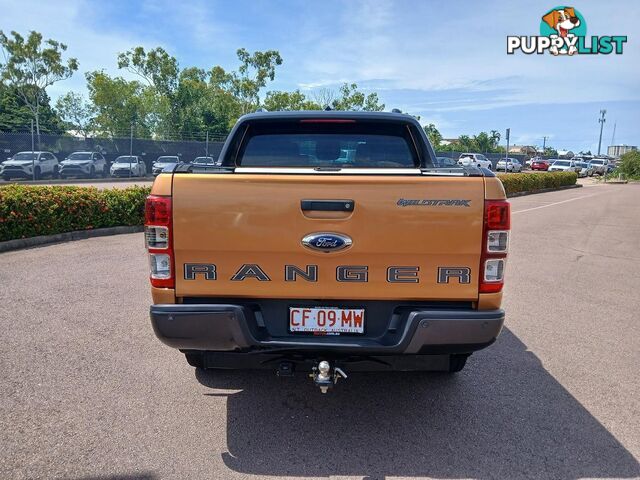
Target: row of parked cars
38	165
480	161
582	166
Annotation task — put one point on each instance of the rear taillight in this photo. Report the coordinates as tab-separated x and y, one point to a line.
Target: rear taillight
495	245
158	240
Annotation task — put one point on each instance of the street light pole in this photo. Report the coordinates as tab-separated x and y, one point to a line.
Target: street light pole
207	145
544	145
601	120
506	153
130	149
33	154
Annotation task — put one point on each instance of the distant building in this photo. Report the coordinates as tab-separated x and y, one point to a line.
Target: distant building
449	141
523	149
617	150
565	154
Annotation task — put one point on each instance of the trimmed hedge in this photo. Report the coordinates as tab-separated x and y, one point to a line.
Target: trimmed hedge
29	211
530	182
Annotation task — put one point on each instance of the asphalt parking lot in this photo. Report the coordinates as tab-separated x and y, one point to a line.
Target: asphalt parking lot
88	392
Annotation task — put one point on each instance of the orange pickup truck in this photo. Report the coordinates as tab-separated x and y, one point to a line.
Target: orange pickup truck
327	242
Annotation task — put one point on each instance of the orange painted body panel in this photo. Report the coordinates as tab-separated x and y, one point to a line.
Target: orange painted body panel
162	185
235	219
163	295
494	190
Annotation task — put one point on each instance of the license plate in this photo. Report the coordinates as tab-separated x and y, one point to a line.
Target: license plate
326	320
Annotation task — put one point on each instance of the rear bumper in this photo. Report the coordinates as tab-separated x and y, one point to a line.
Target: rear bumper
228	327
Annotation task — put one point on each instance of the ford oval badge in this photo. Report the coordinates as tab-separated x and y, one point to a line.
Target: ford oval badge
326	242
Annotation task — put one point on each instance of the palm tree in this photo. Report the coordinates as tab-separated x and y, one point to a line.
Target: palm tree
495	138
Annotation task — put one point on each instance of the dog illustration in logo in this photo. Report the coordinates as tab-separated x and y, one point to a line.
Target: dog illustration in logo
562	21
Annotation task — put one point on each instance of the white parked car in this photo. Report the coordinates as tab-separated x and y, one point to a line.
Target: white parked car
84	164
509	165
600	165
30	165
474	160
163	162
128	166
204	161
563	166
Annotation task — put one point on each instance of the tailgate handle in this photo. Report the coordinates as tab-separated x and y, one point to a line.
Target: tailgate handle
327	205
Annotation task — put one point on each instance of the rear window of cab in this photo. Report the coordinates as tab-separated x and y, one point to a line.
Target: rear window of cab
327	143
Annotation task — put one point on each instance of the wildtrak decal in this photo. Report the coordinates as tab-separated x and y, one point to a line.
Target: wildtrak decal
426	202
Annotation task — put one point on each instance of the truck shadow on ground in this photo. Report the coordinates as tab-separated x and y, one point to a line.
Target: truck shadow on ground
504	416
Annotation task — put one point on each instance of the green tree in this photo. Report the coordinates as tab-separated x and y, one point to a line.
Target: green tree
119	104
483	143
296	100
160	72
352	99
16	116
466	143
31	65
76	112
434	135
495	139
255	71
629	165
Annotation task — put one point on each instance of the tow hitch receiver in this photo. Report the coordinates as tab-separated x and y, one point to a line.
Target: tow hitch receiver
324	378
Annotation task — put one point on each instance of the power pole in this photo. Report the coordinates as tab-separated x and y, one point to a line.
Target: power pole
613	137
601	120
206	148
544	145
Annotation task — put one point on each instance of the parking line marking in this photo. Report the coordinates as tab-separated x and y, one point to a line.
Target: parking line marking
555	203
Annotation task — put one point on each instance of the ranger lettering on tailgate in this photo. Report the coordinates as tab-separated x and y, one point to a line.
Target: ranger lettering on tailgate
395	274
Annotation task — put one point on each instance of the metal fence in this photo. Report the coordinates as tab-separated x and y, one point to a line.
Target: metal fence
148	149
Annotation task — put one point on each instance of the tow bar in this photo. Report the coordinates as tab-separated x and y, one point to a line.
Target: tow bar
324	378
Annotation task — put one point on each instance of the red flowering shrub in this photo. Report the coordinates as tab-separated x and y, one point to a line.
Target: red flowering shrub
29	211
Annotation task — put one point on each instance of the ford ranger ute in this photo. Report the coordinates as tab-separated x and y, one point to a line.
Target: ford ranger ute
327	242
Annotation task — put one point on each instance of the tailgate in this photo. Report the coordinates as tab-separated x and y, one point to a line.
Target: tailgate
251	226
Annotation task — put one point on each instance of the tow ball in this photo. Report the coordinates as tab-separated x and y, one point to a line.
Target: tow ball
324	378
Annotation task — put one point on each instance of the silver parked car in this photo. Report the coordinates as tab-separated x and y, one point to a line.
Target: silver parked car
84	164
586	170
599	165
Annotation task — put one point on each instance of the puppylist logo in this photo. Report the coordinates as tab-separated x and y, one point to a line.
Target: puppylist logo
563	31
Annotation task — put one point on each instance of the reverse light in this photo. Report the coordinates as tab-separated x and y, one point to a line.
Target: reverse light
494	270
160	265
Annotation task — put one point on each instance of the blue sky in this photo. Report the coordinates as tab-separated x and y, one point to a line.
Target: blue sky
443	60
